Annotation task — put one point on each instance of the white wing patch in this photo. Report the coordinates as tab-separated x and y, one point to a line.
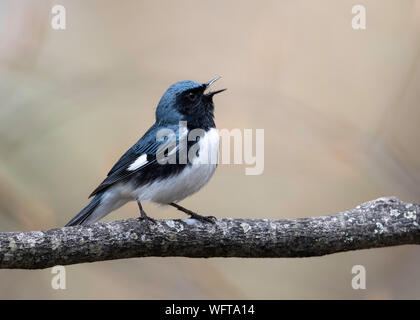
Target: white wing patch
191	179
140	161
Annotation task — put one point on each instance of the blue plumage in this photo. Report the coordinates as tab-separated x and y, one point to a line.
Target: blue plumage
139	176
166	112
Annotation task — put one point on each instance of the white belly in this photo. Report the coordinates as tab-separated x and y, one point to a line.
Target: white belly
172	189
190	180
178	187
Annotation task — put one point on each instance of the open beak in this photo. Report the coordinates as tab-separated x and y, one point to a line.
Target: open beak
208	84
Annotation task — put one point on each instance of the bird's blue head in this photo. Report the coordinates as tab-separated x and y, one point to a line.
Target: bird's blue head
187	101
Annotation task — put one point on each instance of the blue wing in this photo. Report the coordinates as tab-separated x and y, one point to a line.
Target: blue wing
147	145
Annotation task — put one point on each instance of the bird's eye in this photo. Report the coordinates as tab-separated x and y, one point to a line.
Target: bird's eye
191	96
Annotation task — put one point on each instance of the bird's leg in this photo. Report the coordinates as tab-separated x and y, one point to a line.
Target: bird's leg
143	215
194	215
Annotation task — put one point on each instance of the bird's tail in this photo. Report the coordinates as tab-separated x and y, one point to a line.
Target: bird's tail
83	216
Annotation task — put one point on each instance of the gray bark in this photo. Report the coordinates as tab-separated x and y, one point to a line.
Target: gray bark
379	223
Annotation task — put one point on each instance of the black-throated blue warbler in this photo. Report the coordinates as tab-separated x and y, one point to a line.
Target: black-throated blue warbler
140	175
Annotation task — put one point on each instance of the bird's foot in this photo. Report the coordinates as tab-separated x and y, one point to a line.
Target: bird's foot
147	219
192	214
209	219
143	215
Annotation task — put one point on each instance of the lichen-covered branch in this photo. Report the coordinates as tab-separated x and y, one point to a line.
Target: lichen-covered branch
379	223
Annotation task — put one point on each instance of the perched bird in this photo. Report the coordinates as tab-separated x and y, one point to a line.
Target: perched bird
187	111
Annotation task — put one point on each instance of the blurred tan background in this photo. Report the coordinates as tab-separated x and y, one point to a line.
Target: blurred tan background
340	109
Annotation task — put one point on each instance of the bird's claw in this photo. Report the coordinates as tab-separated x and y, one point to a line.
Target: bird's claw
147	219
209	219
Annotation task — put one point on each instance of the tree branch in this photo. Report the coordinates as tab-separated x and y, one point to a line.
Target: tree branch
379	223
